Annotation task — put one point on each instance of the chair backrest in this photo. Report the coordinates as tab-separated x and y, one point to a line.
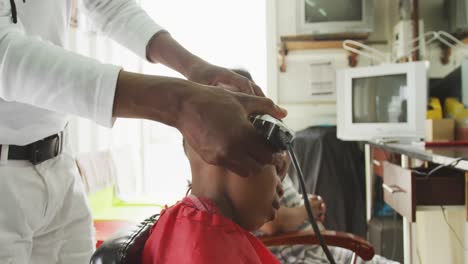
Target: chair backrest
126	246
357	245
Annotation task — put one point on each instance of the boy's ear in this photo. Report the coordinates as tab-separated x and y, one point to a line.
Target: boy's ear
282	165
189	152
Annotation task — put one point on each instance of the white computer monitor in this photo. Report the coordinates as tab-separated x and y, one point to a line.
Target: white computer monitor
457	15
382	102
327	17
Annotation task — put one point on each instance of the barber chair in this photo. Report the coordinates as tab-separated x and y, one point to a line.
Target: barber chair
126	246
357	245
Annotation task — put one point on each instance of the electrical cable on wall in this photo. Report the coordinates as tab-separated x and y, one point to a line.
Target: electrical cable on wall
425	39
365	51
452	229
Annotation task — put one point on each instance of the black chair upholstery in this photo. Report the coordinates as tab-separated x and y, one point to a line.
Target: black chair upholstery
333	169
125	246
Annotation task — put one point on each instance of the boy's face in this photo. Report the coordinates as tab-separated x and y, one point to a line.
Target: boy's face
253	197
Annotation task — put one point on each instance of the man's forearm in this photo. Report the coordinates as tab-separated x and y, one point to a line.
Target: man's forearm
166	50
156	98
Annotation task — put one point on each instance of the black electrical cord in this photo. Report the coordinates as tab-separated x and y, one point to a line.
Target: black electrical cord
307	205
14	15
427	175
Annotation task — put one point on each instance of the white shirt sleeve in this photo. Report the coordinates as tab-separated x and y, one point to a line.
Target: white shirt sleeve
36	72
124	21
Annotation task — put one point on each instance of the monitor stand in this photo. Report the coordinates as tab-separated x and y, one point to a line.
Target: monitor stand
399	140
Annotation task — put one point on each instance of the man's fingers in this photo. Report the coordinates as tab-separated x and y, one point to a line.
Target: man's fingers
239	84
257	90
236	87
247	86
261	105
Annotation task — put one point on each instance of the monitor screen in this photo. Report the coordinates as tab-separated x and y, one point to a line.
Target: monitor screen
380	99
333	10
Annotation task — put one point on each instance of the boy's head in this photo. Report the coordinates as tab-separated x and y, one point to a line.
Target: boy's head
249	200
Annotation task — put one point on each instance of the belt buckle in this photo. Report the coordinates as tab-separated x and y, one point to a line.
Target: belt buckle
34	154
35	151
59	146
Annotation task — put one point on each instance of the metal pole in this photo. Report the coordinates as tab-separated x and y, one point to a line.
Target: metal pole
415	19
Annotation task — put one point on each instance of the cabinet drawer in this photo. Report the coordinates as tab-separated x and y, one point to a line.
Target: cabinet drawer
379	157
404	190
398	189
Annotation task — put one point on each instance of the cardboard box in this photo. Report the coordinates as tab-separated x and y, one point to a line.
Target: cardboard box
440	129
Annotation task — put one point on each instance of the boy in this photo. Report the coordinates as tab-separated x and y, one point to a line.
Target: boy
212	224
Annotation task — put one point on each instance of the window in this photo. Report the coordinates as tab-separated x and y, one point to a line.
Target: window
227	33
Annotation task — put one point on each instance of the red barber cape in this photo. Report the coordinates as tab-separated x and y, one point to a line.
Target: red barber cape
193	231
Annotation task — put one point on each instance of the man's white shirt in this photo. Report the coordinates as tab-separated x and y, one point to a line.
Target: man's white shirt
41	83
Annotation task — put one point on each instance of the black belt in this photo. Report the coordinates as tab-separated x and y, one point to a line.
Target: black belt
39	151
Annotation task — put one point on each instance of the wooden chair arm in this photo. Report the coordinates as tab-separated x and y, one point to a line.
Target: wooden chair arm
337	239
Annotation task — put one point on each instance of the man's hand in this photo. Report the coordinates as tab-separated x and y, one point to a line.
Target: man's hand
215	123
209	74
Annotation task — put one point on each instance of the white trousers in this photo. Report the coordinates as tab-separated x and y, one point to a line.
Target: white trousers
44	215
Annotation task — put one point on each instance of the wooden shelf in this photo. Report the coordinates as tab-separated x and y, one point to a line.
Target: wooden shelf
332	37
304	42
310	42
304	45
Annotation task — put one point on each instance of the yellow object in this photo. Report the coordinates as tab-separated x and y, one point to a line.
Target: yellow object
436	112
453	107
